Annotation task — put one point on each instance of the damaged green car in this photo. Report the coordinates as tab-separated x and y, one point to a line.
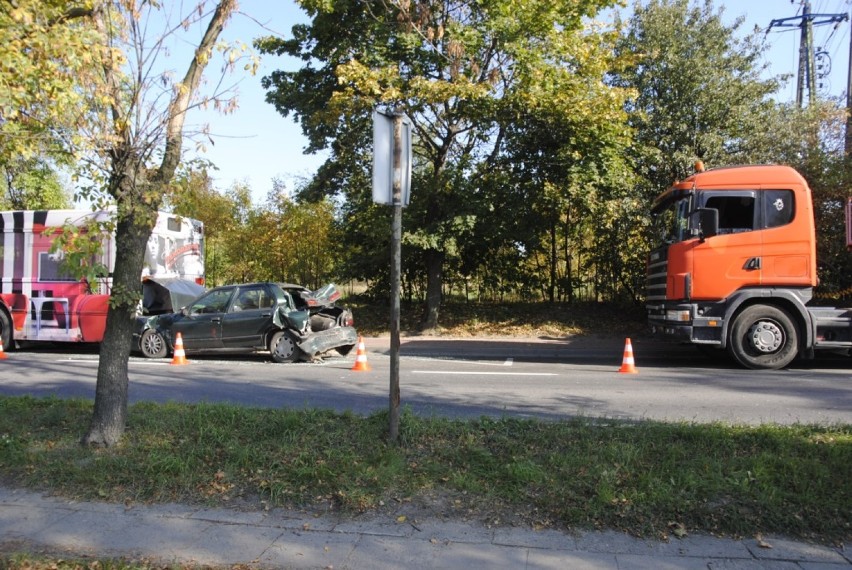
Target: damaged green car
290	321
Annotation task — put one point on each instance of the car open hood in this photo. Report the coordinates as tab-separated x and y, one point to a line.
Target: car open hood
168	294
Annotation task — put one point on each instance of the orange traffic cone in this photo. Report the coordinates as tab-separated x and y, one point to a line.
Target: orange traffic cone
361	358
628	366
2	354
180	355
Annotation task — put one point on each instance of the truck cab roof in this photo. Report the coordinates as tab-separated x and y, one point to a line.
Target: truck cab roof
751	177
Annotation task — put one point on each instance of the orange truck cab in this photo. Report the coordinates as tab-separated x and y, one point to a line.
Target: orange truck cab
736	266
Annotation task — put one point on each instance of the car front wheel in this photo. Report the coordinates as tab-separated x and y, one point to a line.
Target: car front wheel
152	344
283	347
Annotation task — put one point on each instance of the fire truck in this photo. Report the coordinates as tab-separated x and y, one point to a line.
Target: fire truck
736	267
40	301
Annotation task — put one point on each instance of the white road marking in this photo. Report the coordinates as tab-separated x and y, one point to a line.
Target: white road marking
96	361
458	373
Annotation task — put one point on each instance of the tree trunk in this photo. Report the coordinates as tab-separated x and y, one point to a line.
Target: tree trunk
569	276
138	198
110	413
551	290
434	277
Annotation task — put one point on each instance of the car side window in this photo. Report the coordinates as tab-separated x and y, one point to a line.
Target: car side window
266	299
250	299
213	302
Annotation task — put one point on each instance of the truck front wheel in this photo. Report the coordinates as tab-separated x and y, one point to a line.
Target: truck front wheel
764	337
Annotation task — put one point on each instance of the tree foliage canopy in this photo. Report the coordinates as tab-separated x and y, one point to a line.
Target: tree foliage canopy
463	73
700	90
49	50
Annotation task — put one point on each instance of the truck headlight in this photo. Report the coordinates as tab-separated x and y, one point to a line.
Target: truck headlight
679	316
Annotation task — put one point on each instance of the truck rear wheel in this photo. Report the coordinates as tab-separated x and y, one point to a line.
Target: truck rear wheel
764	337
5	330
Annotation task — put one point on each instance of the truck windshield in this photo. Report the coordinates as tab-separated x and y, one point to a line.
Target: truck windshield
672	223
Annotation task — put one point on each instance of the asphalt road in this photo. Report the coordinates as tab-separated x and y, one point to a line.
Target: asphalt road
542	378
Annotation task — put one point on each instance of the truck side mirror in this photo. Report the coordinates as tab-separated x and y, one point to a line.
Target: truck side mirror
708	222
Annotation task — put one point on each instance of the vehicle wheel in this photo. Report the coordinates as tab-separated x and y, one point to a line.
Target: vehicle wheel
152	344
764	337
6	331
345	349
283	347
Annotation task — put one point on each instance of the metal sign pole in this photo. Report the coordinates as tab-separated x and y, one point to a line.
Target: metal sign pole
396	263
392	186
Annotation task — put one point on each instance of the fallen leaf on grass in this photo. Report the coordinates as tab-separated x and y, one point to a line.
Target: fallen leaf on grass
678	529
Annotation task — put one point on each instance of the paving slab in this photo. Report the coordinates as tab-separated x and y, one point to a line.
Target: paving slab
539	559
19	520
309	549
741	564
545	538
786	549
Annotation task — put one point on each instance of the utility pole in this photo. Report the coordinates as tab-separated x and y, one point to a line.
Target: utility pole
847	141
806	22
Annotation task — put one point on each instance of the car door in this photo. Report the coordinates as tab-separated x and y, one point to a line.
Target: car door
201	326
249	318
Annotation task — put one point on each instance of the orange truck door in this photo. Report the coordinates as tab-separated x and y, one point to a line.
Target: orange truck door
734	258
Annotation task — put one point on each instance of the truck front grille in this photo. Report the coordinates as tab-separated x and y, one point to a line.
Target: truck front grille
655	284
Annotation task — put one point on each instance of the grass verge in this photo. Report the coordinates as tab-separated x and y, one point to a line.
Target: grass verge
646	478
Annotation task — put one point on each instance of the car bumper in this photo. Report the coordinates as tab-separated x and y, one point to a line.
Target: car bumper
323	341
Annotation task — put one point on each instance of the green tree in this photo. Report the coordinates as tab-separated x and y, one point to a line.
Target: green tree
699	89
32	185
301	243
459	71
560	168
46	54
813	143
193	195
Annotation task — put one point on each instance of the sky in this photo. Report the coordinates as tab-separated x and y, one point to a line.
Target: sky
256	144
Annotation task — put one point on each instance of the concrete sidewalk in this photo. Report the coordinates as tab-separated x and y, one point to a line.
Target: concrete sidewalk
173	533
